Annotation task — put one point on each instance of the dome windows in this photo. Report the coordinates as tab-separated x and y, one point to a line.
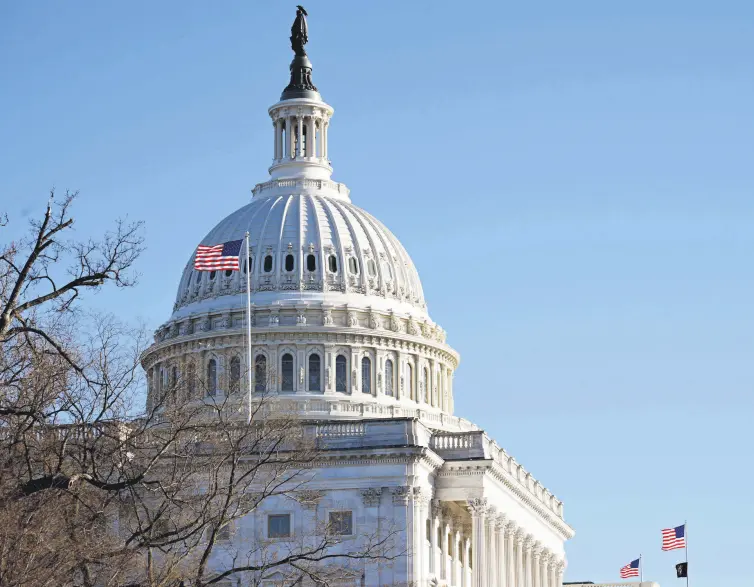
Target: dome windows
332	263
212	377
289	263
212	274
249	263
371	268
267	264
260	373
341	374
315	372
228	272
311	263
389	390
286	369
234	385
366	375
353	265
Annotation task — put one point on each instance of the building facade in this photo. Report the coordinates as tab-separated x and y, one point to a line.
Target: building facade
341	336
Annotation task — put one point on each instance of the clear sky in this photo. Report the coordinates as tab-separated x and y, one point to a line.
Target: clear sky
574	181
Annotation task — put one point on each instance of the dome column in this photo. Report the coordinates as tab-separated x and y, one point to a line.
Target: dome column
300	130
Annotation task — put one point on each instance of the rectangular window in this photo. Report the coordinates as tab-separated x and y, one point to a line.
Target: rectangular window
341	523
278	526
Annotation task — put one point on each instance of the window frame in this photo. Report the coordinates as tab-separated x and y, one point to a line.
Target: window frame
211	372
279	514
310	376
292	374
330	524
366	361
344	362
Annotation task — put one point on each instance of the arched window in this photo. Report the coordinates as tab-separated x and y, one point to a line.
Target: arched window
212	377
410	381
268	264
341	373
260	373
315	371
366	375
332	263
249	264
372	268
389	378
353	266
191	381
289	263
286	364
311	262
234	385
212	274
228	272
425	385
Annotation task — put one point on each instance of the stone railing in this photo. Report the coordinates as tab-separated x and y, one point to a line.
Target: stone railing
316	184
477	445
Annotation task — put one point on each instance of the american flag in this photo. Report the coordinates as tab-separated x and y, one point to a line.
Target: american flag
214	257
630	570
673	538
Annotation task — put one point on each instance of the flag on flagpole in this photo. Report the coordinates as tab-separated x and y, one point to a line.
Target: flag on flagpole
630	570
673	538
682	570
217	257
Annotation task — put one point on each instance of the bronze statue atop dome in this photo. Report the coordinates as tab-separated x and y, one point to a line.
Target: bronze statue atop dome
299	32
301	85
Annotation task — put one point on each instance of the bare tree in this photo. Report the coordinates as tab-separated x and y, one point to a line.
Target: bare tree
92	493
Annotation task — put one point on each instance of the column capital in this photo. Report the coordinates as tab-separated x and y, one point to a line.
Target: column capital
511	528
500	521
528	542
401	494
478	506
371	496
536	551
520	536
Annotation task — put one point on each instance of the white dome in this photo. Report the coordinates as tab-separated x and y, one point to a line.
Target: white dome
309	244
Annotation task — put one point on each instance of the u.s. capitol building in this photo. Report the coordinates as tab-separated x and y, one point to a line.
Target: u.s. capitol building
338	314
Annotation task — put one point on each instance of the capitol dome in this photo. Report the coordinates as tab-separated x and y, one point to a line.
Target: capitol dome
326	315
308	244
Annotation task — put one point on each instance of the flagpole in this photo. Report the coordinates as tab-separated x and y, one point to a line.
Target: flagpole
641	570
686	543
248	325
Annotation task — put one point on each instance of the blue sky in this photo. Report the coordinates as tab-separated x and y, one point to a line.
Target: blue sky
573	180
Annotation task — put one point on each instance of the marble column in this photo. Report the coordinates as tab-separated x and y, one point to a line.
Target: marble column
300	144
501	550
559	573
544	578
466	574
491	548
510	562
311	144
535	554
434	521
478	508
528	544
445	550
455	567
520	535
420	512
